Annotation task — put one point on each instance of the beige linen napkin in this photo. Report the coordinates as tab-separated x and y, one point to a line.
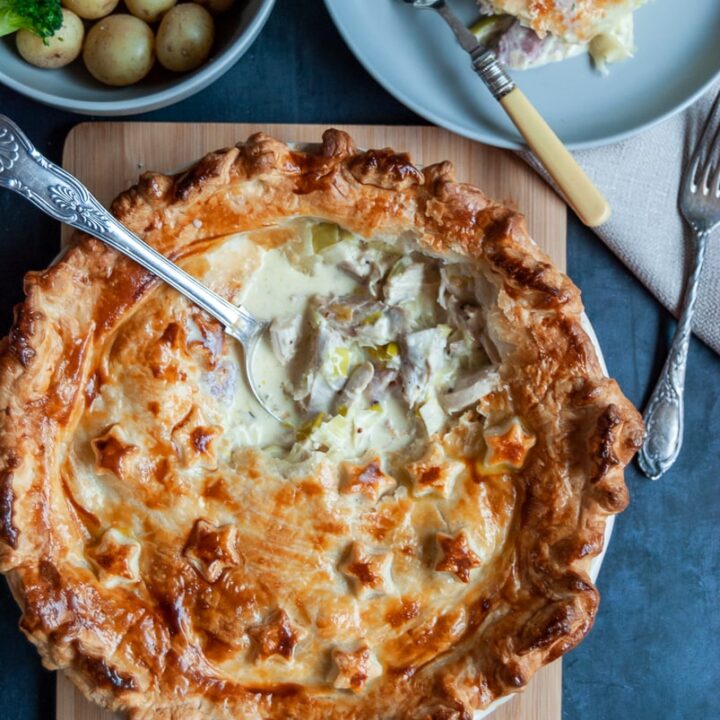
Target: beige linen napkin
641	177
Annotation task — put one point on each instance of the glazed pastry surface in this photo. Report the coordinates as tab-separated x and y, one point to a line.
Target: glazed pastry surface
414	543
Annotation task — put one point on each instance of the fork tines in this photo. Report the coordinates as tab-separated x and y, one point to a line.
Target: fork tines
706	157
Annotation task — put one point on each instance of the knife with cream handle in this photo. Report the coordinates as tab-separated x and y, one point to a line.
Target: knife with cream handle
579	191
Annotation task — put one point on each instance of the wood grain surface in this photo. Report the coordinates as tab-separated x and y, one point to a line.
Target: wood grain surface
109	157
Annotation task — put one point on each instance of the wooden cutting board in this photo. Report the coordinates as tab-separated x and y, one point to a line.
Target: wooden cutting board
108	157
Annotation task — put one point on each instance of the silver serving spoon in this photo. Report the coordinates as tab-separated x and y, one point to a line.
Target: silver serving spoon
63	197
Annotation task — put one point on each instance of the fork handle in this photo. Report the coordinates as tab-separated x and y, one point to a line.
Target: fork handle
580	192
664	412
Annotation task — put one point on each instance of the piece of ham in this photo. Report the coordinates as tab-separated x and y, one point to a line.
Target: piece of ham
366	321
285	336
404	283
317	390
356	384
471	389
422	354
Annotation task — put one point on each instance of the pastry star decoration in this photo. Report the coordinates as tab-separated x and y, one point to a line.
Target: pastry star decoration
507	446
113	453
212	549
117	558
275	636
367	571
434	472
193	439
367	479
353	668
457	557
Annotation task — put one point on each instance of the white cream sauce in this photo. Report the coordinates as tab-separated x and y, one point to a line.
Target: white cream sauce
276	289
284	283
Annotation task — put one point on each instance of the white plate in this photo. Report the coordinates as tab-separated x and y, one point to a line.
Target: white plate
414	56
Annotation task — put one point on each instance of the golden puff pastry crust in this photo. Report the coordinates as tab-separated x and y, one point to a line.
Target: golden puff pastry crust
171	574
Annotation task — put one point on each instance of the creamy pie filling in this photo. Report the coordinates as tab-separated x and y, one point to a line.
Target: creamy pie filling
373	344
328	545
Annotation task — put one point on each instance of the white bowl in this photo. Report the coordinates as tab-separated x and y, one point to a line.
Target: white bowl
73	88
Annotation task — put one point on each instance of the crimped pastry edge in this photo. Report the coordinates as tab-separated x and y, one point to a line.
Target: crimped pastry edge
38	403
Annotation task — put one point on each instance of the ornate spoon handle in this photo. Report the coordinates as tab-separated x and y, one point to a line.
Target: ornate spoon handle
63	197
664	412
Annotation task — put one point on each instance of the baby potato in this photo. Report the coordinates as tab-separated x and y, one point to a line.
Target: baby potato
149	10
61	48
216	6
185	37
91	9
119	50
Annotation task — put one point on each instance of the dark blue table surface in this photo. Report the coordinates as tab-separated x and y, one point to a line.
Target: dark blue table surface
655	649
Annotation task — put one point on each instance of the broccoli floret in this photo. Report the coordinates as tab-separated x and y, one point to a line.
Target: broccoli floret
43	17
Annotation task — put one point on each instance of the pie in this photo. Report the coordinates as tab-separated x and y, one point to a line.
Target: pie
528	33
415	540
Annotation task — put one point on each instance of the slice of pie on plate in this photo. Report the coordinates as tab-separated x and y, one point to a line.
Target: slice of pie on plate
529	33
413	543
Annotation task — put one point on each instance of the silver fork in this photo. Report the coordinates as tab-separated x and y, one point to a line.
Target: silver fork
700	205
